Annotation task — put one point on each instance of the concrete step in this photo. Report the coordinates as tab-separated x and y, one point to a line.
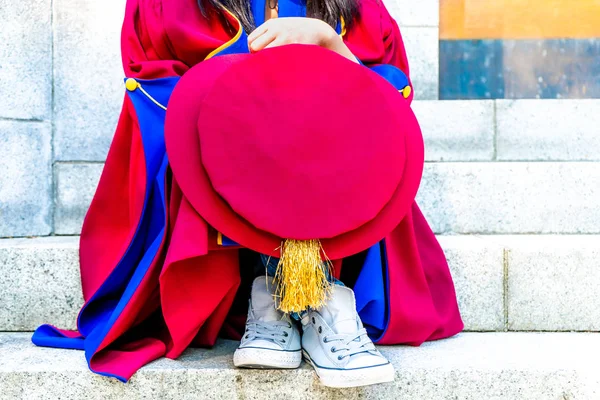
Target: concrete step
516	166
456	197
512	197
497	366
520	283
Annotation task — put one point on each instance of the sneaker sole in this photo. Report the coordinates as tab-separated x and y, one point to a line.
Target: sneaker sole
336	378
266	359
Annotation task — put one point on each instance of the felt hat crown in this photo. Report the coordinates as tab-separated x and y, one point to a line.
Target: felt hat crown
294	145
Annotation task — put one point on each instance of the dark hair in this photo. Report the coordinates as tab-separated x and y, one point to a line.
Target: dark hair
329	11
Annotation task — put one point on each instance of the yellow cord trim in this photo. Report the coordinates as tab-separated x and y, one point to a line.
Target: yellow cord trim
219	238
230	42
343	24
302	277
131	85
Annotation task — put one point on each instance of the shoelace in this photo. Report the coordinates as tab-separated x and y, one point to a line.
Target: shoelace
350	345
266	330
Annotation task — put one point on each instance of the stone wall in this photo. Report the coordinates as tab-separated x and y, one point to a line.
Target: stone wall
62	87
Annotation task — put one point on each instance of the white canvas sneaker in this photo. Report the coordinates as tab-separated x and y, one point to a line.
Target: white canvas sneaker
272	339
336	344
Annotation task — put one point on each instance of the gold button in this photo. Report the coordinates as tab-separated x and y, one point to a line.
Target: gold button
406	92
131	84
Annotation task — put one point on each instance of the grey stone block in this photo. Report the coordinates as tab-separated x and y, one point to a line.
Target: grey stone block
477	267
422	48
25	178
548	130
88	77
40	283
553	283
415	13
498	366
476	263
25	59
457	130
75	188
511	197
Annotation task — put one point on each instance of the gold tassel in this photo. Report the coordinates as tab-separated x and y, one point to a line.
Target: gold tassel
302	277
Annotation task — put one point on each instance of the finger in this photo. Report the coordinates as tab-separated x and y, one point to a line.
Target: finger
276	43
261	30
262	41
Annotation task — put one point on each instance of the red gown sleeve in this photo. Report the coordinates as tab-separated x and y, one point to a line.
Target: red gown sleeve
375	39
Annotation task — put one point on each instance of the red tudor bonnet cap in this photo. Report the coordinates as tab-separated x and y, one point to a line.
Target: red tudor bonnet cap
294	142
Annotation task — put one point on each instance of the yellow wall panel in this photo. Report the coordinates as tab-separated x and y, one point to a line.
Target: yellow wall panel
519	19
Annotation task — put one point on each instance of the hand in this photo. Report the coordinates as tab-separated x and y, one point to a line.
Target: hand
281	31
